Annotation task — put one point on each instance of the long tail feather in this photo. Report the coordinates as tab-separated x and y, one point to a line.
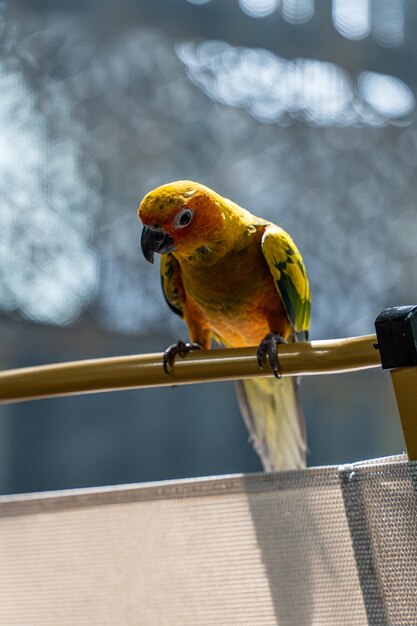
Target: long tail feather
272	413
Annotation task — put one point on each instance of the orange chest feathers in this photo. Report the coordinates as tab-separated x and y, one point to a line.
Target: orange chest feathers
235	298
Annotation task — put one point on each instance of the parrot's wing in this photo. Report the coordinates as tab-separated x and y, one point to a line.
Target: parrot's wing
172	283
290	278
271	408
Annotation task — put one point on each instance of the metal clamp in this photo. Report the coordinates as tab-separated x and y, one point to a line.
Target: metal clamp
396	331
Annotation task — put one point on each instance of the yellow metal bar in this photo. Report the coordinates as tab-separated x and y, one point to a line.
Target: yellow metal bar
62	379
404	380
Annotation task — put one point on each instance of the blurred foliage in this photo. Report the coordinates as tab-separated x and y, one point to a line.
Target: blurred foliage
89	123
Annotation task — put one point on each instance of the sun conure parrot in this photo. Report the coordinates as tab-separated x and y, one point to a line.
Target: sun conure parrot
238	280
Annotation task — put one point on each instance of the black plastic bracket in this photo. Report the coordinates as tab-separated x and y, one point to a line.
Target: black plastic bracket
396	331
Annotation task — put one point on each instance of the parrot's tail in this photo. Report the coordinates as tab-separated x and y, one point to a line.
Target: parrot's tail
272	413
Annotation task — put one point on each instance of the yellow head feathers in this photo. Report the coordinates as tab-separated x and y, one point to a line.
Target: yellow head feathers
189	213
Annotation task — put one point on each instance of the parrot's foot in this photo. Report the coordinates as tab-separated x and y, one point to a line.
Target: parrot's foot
268	346
180	348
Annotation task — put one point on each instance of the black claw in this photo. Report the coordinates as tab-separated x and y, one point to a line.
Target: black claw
268	346
169	357
261	353
277	375
181	349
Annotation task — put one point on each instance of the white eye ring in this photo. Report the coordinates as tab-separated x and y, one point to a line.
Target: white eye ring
183	218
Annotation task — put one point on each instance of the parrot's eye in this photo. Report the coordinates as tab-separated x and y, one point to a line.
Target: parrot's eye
183	218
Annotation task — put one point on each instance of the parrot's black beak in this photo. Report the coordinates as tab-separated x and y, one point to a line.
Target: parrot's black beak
155	240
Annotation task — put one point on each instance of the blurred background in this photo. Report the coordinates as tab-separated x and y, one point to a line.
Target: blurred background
302	111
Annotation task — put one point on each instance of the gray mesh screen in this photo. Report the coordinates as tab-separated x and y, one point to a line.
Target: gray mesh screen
322	546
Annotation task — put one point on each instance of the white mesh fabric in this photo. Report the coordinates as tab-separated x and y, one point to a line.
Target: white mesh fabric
322	546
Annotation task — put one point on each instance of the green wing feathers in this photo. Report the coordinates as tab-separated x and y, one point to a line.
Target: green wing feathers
290	278
172	283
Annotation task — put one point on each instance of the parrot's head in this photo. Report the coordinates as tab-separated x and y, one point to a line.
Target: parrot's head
182	216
